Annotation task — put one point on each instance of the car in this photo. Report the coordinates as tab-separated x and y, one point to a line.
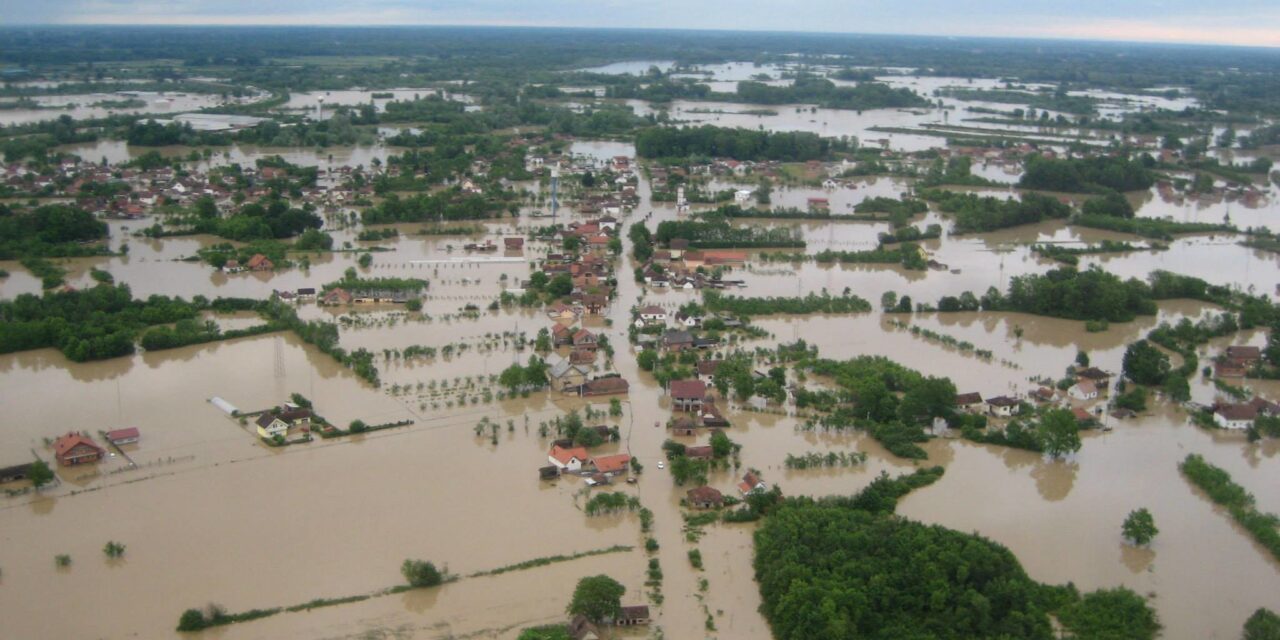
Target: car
662	465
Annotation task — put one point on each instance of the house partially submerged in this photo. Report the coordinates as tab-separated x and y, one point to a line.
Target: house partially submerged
751	483
73	449
119	437
704	497
16	472
605	387
1083	390
1003	406
567	458
565	376
1241	415
633	615
611	465
688	395
970	402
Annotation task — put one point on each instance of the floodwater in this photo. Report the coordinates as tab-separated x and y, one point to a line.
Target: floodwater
212	515
81	107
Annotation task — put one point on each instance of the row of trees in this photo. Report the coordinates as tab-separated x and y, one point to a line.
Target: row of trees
52	230
849	568
91	324
722	142
976	214
1086	175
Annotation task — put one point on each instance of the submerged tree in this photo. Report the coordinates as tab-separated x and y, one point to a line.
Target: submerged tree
420	573
40	474
599	598
1059	433
1140	527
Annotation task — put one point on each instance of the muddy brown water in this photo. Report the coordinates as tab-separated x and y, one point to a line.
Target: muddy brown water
211	515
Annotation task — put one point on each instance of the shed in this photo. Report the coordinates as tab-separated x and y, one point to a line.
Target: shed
128	435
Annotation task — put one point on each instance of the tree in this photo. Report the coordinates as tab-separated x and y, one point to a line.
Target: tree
1082	358
1262	625
1140	528
888	300
1059	432
929	398
192	620
685	469
40	474
512	377
1145	364
647	359
599	598
358	426
560	286
1110	613
366	259
721	445
420	573
113	549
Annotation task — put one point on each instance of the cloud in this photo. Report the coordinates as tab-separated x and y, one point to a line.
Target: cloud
1252	22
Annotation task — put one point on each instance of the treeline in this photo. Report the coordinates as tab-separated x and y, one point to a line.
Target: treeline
812	303
1092	294
1086	175
718	234
351	282
440	206
324	336
849	568
1149	227
975	213
189	332
91	324
1071	255
908	255
740	144
1217	483
37	139
51	230
811	89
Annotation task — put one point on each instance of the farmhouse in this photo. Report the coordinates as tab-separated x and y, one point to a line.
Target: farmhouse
567	459
704	498
73	449
688	395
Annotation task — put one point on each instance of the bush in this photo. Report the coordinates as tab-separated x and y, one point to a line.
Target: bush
420	573
192	620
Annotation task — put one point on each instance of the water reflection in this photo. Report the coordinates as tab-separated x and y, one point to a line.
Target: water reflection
1137	559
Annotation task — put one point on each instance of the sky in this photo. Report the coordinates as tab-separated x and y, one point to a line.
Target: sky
1231	22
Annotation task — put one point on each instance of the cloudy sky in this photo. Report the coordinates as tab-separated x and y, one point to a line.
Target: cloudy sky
1241	22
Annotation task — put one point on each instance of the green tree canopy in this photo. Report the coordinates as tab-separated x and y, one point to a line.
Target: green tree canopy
598	598
1140	527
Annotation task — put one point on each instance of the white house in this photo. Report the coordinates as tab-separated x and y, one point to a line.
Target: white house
1083	390
742	196
1235	416
653	314
688	320
830	184
1003	406
567	459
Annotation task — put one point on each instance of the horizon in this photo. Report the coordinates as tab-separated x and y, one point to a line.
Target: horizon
687	30
1233	23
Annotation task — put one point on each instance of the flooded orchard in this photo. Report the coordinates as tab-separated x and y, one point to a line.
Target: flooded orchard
212	514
